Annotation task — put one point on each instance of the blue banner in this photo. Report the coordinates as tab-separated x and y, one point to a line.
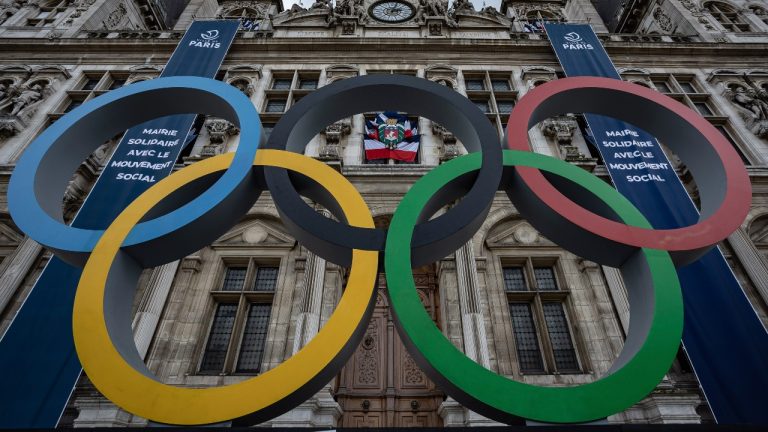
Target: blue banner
723	336
38	362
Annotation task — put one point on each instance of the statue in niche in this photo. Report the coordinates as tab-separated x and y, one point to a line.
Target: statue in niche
433	9
321	4
27	97
752	106
8	8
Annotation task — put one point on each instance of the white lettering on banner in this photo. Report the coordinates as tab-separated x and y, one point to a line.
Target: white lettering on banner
645	178
168	132
136	176
632	143
204	44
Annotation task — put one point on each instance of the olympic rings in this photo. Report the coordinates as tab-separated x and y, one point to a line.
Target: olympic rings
102	327
722	180
101	321
44	170
333	240
655	299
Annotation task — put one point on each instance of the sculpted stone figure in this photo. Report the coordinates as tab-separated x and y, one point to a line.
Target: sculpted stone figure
8	8
752	106
27	97
463	6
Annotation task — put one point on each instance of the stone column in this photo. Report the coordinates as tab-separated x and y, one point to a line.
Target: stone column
152	303
753	261
310	296
321	410
473	333
473	328
16	268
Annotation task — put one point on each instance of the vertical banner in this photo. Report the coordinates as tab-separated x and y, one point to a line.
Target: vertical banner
723	336
38	362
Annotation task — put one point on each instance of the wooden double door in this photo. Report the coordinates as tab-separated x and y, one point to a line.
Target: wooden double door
381	385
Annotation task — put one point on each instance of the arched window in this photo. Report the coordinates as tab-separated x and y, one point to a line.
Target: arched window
535	19
728	16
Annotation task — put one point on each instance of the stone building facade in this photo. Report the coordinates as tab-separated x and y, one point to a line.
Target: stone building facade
510	299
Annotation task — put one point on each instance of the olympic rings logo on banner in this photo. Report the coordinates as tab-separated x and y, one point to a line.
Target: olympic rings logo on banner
189	209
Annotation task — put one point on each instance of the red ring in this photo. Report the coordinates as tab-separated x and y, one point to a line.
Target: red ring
707	232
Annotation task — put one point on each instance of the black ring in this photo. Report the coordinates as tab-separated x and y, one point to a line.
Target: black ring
432	239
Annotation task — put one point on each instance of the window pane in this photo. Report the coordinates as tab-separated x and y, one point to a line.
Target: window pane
218	341
266	279
514	280
117	83
662	86
234	279
500	85
275	105
90	84
482	105
254	336
72	105
282	83
525	337
308	84
475	84
702	108
505	106
687	87
545	278
560	337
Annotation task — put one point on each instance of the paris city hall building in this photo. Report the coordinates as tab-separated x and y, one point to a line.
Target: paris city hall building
510	299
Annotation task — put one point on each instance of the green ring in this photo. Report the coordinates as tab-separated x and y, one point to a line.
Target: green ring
497	396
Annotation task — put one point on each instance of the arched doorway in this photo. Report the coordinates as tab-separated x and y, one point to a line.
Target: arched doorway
381	385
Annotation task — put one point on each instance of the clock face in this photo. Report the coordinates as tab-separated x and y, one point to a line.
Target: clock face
391	11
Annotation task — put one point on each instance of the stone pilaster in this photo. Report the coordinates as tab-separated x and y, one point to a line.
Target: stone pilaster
151	307
321	410
473	333
17	267
753	261
619	294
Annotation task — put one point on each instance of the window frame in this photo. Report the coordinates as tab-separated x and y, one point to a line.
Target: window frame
536	298
244	298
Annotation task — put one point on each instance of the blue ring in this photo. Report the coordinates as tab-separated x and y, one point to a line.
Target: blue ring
49	161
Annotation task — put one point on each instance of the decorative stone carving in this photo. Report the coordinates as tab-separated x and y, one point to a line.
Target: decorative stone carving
26	98
664	21
352	9
463	6
752	105
219	131
115	17
434	13
449	149
8	8
244	85
559	128
334	133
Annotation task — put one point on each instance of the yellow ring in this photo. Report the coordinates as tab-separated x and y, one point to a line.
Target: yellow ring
146	397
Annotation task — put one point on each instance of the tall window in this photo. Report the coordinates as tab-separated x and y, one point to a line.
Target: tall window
90	85
286	89
493	94
727	16
537	308
687	90
240	322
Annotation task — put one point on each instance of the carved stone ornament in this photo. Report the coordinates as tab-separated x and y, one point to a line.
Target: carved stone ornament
115	18
369	355
559	128
664	21
331	150
752	106
8	8
219	130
